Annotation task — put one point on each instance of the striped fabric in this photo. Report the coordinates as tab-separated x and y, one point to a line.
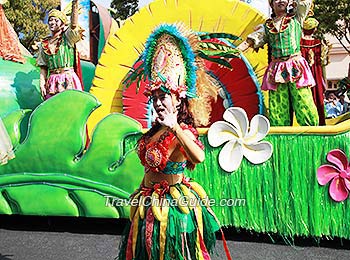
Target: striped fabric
286	42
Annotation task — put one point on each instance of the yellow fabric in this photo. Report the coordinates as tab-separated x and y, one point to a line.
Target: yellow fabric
58	14
199	218
162	235
310	23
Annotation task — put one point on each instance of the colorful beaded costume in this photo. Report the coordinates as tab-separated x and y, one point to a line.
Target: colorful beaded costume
170	221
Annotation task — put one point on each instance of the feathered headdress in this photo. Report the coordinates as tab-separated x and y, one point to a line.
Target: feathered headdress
173	62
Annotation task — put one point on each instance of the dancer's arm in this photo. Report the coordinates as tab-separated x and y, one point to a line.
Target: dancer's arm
187	140
185	137
245	45
74	32
303	7
43	76
256	39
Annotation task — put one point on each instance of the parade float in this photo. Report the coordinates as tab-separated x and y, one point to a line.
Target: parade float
293	181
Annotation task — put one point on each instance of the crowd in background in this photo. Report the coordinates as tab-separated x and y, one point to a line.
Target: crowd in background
336	104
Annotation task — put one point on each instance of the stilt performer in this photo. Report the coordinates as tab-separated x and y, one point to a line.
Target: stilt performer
288	76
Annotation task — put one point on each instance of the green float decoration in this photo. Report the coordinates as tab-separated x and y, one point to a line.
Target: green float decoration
53	175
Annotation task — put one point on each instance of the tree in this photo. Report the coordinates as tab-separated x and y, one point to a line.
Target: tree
27	18
334	18
124	8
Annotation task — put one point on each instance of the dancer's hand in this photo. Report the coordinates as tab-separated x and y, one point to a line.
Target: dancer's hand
43	91
168	117
245	45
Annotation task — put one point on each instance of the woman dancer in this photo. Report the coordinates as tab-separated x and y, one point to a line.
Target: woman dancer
170	218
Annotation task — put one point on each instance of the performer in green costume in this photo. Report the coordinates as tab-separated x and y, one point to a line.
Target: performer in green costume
57	54
288	76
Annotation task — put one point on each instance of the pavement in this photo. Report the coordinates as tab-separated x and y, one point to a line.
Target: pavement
60	238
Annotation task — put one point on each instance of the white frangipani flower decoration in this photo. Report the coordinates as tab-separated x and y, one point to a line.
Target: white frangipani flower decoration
241	139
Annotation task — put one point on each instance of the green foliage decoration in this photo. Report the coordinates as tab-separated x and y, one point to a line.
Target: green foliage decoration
53	173
123	8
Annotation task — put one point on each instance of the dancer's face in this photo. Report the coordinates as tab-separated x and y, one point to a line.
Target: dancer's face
55	24
163	101
280	6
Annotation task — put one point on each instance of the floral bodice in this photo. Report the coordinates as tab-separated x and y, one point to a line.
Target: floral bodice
154	155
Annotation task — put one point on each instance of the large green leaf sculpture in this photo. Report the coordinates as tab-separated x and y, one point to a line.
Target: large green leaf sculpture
53	173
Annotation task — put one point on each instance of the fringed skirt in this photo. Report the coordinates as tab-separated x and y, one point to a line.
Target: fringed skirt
170	222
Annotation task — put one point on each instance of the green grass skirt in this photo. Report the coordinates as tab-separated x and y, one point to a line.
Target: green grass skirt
182	237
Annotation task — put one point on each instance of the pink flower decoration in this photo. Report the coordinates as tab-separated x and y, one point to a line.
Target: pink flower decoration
169	84
338	174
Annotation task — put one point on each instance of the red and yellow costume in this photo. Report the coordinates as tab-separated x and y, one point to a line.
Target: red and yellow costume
170	216
315	52
170	220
